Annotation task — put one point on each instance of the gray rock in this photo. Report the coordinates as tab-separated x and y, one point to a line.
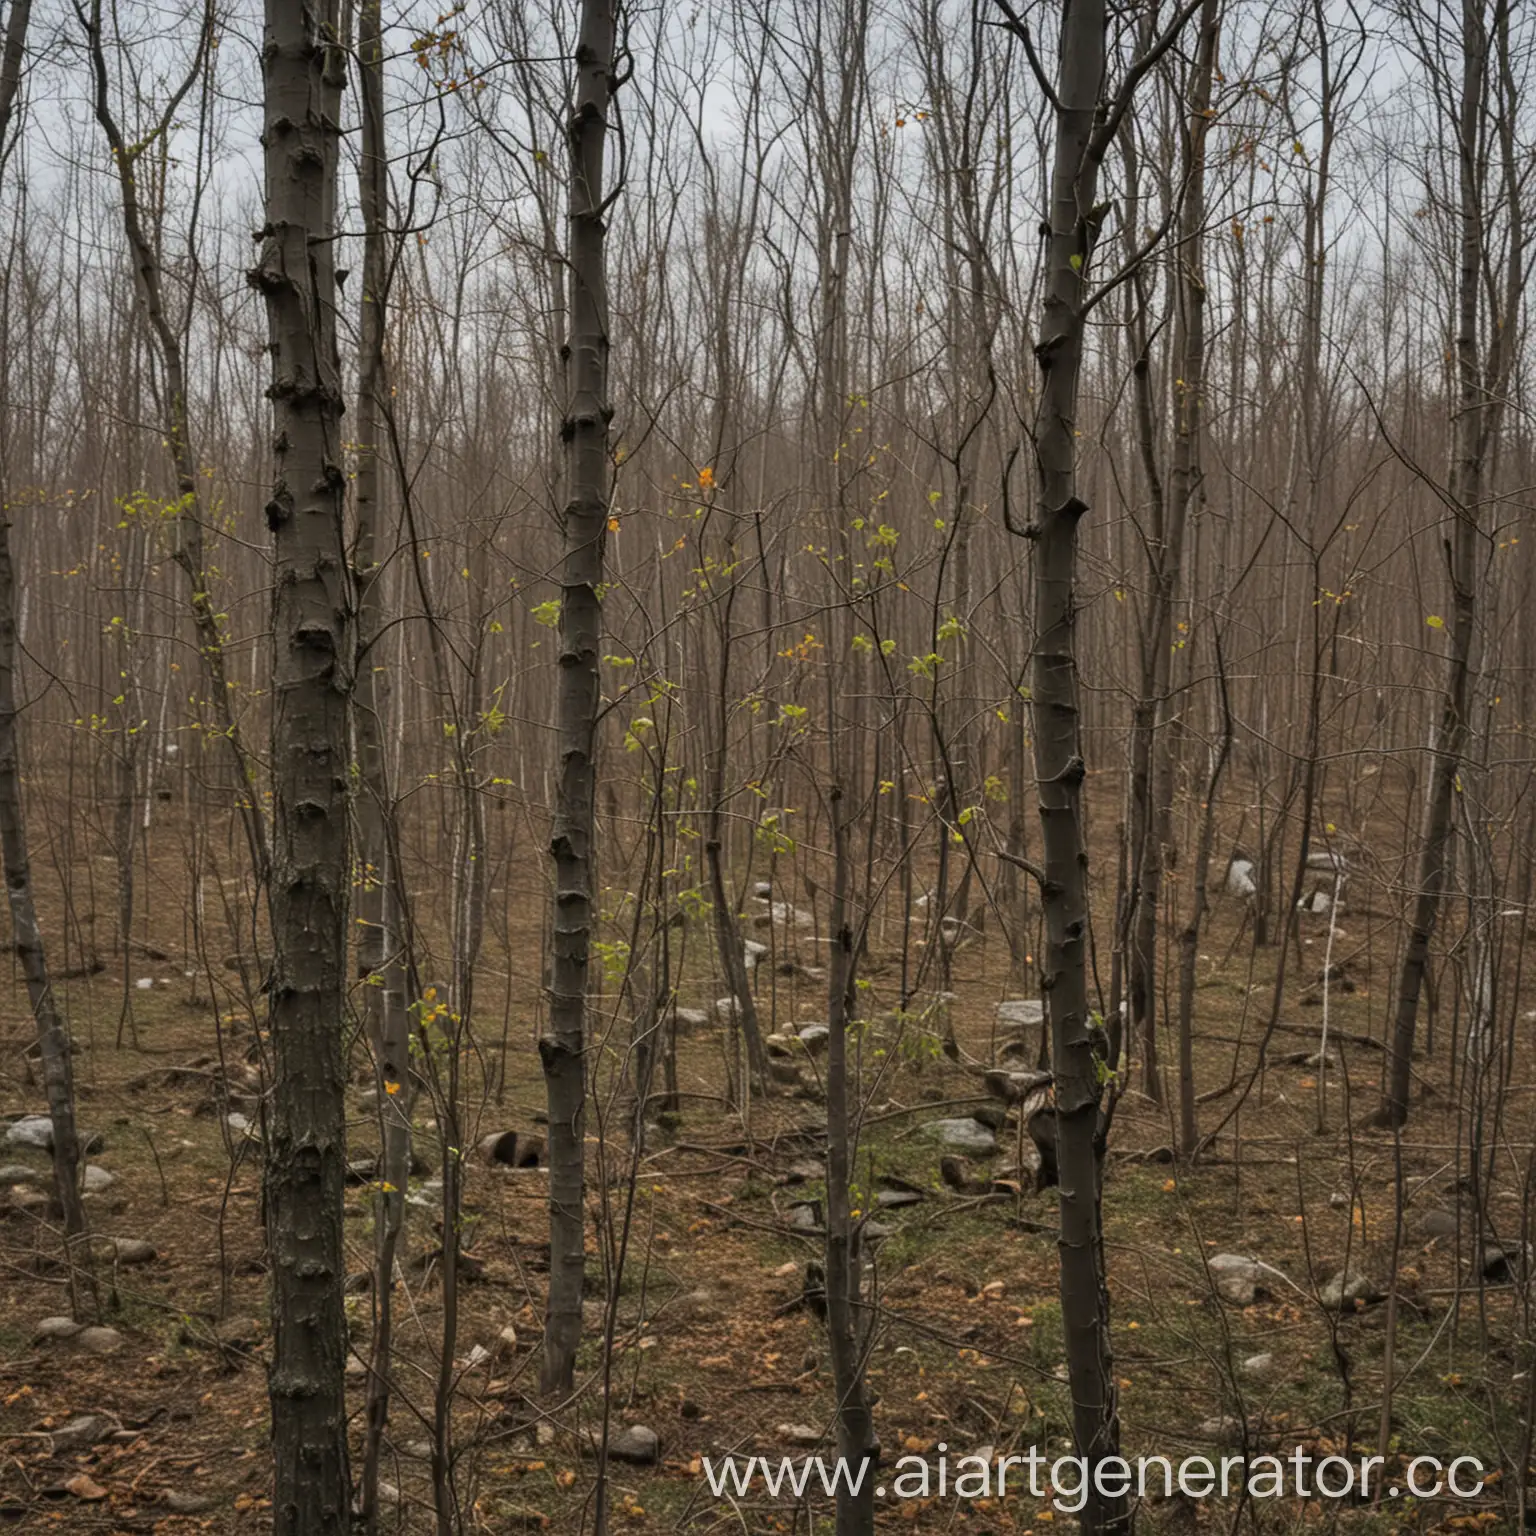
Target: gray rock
180	1503
1348	1288
637	1444
1437	1224
82	1433
691	1018
806	1216
132	1250
1021	1013
1225	1429
97	1179
896	1199
798	1434
35	1131
99	1341
57	1328
1259	1365
814	1037
966	1135
16	1173
1236	1278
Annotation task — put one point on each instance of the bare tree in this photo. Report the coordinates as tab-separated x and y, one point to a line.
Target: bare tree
584	431
304	67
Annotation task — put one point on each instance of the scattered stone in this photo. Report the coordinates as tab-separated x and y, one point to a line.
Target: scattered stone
753	953
544	1433
180	1503
82	1433
1236	1277
16	1173
898	1199
99	1341
35	1131
1502	1265
725	1008
57	1328
505	1346
814	1037
97	1179
798	1434
783	1071
969	1136
512	1149
779	1046
132	1250
356	1367
1259	1365
1437	1223
637	1444
477	1357
1338	1201
805	1216
1225	1429
1349	1288
690	1018
1021	1013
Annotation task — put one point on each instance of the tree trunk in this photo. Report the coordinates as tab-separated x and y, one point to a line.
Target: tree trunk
26	935
584	431
1076	1043
312	655
379	964
1475	420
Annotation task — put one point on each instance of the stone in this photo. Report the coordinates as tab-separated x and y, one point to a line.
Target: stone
132	1250
57	1328
505	1346
1348	1288
805	1216
1259	1365
814	1037
896	1199
967	1135
82	1433
97	1179
1021	1013
1236	1278
637	1444
180	1503
798	1434
691	1018
1225	1429
99	1341
35	1131
725	1008
16	1173
753	953
1436	1224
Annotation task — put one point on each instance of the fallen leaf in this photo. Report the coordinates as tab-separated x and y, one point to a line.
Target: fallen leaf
84	1487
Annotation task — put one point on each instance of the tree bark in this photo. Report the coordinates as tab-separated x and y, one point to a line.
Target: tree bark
1076	1043
304	69
1481	390
584	432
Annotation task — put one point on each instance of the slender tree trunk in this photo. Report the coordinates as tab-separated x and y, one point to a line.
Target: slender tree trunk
584	431
304	67
1077	1050
26	935
378	943
845	1280
1478	409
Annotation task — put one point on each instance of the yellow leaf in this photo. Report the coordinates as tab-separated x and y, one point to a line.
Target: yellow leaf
1435	621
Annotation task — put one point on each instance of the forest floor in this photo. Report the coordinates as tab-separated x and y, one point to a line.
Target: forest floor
714	1351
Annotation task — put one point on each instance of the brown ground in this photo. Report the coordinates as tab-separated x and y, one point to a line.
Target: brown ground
711	1351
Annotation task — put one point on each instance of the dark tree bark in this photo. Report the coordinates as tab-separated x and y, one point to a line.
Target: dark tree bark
26	935
304	68
1082	1052
1482	384
379	962
584	431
